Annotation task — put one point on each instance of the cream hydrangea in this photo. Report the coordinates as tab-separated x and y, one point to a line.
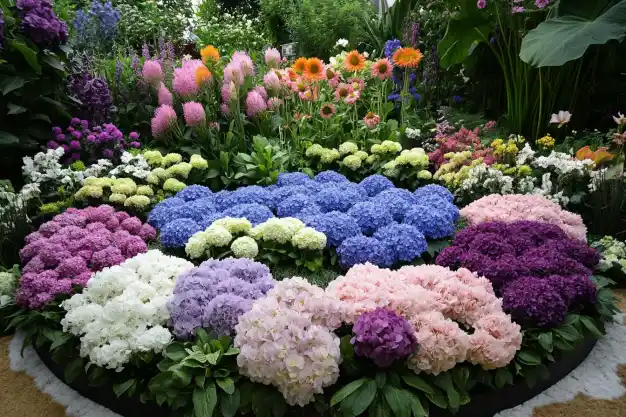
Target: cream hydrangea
309	238
117	198
137	201
217	236
173	185
171	159
280	230
361	154
414	157
89	191
245	247
315	150
234	224
348	148
145	190
352	162
161	173
153	179
153	158
329	155
196	245
181	169
124	186
198	162
123	309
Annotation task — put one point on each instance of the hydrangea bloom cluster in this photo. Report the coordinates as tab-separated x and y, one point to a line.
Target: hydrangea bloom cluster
361	222
434	299
511	208
94	94
80	142
287	340
41	24
8	284
613	253
383	336
539	271
123	310
68	249
215	294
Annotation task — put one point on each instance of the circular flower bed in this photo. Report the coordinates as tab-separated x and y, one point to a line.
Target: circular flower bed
367	222
514	207
538	270
68	249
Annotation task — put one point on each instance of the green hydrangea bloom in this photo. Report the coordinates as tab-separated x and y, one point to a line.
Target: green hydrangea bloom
100	182
353	162
277	230
217	236
145	190
309	238
8	283
234	225
173	185
329	155
361	154
78	166
153	179
154	158
88	191
245	247
424	175
117	198
390	146
414	157
314	150
180	170
171	158
124	186
50	208
161	173
198	162
196	245
137	201
348	148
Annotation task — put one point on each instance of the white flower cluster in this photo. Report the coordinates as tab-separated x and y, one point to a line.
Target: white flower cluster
563	164
8	284
286	340
12	203
493	181
413	133
123	310
45	170
132	166
546	190
341	43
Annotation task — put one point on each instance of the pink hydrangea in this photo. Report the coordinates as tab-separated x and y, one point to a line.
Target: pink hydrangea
515	207
185	83
164	118
66	250
272	58
194	114
164	96
152	72
255	104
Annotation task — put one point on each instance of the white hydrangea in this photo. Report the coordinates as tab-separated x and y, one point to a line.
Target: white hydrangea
563	164
123	310
309	238
132	166
234	224
99	169
279	230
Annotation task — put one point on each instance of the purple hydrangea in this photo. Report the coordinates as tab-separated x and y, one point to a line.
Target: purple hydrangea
403	241
532	302
95	96
376	183
41	24
383	336
1	27
370	216
214	295
361	249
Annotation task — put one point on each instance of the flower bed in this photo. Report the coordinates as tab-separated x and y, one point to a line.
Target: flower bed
367	222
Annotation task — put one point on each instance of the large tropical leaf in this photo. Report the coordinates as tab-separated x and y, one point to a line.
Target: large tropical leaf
567	37
462	36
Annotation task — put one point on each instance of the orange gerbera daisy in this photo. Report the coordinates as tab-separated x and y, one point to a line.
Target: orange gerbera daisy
314	69
407	57
210	53
354	61
203	75
300	65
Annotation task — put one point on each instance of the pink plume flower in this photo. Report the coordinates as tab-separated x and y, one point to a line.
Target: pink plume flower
244	61
164	118
165	97
261	90
272	58
272	83
194	114
152	72
274	103
185	84
255	104
233	73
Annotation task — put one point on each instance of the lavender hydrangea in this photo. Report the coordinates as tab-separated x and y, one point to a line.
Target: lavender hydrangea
383	336
215	294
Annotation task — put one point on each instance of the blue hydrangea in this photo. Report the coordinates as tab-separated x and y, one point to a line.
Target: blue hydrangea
164	212
255	213
336	226
362	249
293	205
431	221
282	193
307	212
442	192
370	216
396	200
330	176
194	192
221	199
199	209
339	197
209	218
435	200
252	194
176	233
376	183
405	242
292	178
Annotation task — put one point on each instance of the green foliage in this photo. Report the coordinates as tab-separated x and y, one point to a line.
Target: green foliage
262	165
31	85
577	26
389	25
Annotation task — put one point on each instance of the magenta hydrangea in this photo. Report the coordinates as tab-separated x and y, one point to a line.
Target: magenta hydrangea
66	250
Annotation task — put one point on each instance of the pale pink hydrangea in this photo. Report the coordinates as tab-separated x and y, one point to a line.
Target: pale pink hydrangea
494	341
285	341
164	96
184	83
516	207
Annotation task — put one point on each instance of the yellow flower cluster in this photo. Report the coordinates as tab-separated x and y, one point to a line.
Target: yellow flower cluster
503	149
122	191
546	142
453	172
514	171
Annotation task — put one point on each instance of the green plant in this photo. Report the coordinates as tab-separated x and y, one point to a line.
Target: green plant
388	25
262	165
573	28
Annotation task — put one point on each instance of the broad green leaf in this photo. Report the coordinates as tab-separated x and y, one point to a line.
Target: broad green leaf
29	55
204	401
503	376
398	401
200	379
213	357
226	384
176	352
229	404
346	390
568	333
444	380
528	357
15	109
120	389
62	339
381	379
545	340
53	62
379	408
359	400
460	38
417	408
73	369
202	335
567	37
11	83
591	326
418	382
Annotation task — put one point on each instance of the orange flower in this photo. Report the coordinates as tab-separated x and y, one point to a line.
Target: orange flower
203	75
407	57
314	69
300	65
210	53
599	156
354	62
293	75
300	86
